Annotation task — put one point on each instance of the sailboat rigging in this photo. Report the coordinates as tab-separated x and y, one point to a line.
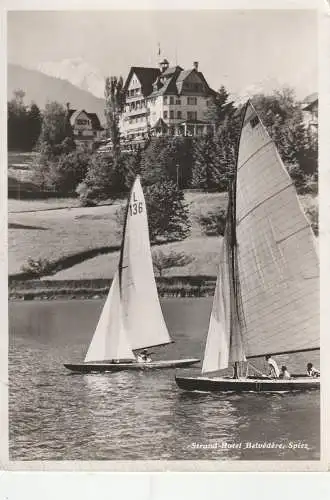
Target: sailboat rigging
131	317
267	291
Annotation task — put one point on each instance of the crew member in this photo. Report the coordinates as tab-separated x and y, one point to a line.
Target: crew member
284	372
311	371
274	371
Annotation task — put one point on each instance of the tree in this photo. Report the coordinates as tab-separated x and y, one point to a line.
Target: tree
215	156
163	261
17	122
56	135
220	107
24	124
167	158
114	103
104	178
205	163
168	217
167	214
34	124
282	116
67	171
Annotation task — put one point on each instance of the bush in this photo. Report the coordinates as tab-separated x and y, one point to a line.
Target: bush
304	183
105	177
37	267
163	261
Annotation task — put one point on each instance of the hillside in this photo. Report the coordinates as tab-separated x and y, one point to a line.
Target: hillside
41	88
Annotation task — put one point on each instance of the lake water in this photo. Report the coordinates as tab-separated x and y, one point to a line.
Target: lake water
54	415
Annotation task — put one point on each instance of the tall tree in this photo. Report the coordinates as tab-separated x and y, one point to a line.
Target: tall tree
34	124
56	132
17	122
168	158
220	107
282	115
114	103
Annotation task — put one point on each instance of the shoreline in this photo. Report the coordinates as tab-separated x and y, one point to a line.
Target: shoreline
169	286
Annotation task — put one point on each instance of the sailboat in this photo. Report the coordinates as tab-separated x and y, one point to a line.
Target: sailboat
131	318
267	292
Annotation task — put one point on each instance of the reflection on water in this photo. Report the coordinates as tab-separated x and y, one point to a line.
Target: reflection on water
55	415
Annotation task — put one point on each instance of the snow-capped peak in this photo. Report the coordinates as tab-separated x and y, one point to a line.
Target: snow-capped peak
78	72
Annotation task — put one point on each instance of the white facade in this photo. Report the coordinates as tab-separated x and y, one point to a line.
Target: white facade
176	100
85	132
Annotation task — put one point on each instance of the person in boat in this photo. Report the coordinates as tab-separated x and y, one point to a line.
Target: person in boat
284	372
144	357
312	371
274	371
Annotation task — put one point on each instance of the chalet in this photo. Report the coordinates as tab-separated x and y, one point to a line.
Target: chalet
87	129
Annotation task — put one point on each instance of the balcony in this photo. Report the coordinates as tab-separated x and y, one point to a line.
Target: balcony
137	111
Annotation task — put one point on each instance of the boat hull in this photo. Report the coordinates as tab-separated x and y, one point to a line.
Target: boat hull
206	384
116	367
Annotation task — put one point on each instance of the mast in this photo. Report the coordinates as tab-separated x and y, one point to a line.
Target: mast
224	342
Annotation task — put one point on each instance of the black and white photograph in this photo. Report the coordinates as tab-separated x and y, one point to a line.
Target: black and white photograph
163	236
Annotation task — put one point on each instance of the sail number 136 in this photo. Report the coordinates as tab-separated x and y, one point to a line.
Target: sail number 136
136	207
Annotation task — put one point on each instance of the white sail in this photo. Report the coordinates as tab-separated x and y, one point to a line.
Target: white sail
272	268
110	339
225	340
143	317
278	266
131	317
216	356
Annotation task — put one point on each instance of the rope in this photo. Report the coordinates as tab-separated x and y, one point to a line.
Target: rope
256	369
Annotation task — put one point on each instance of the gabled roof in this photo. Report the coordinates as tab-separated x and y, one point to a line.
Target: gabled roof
155	83
74	113
172	70
309	101
146	76
96	125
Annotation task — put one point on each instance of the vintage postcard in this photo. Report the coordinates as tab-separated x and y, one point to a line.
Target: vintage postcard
162	223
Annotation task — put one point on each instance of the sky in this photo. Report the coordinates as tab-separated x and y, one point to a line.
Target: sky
239	49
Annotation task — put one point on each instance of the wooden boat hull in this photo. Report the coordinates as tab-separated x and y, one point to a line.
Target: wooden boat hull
217	384
116	367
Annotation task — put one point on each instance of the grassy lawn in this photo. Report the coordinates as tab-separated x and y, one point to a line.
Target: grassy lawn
58	233
43	204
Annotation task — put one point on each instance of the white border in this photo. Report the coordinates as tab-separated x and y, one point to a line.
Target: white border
325	220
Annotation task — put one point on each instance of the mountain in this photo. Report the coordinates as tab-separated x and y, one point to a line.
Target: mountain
41	88
78	72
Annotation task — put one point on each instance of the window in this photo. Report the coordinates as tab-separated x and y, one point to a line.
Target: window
192	115
171	100
165	100
171	114
192	100
165	114
82	122
179	114
178	101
